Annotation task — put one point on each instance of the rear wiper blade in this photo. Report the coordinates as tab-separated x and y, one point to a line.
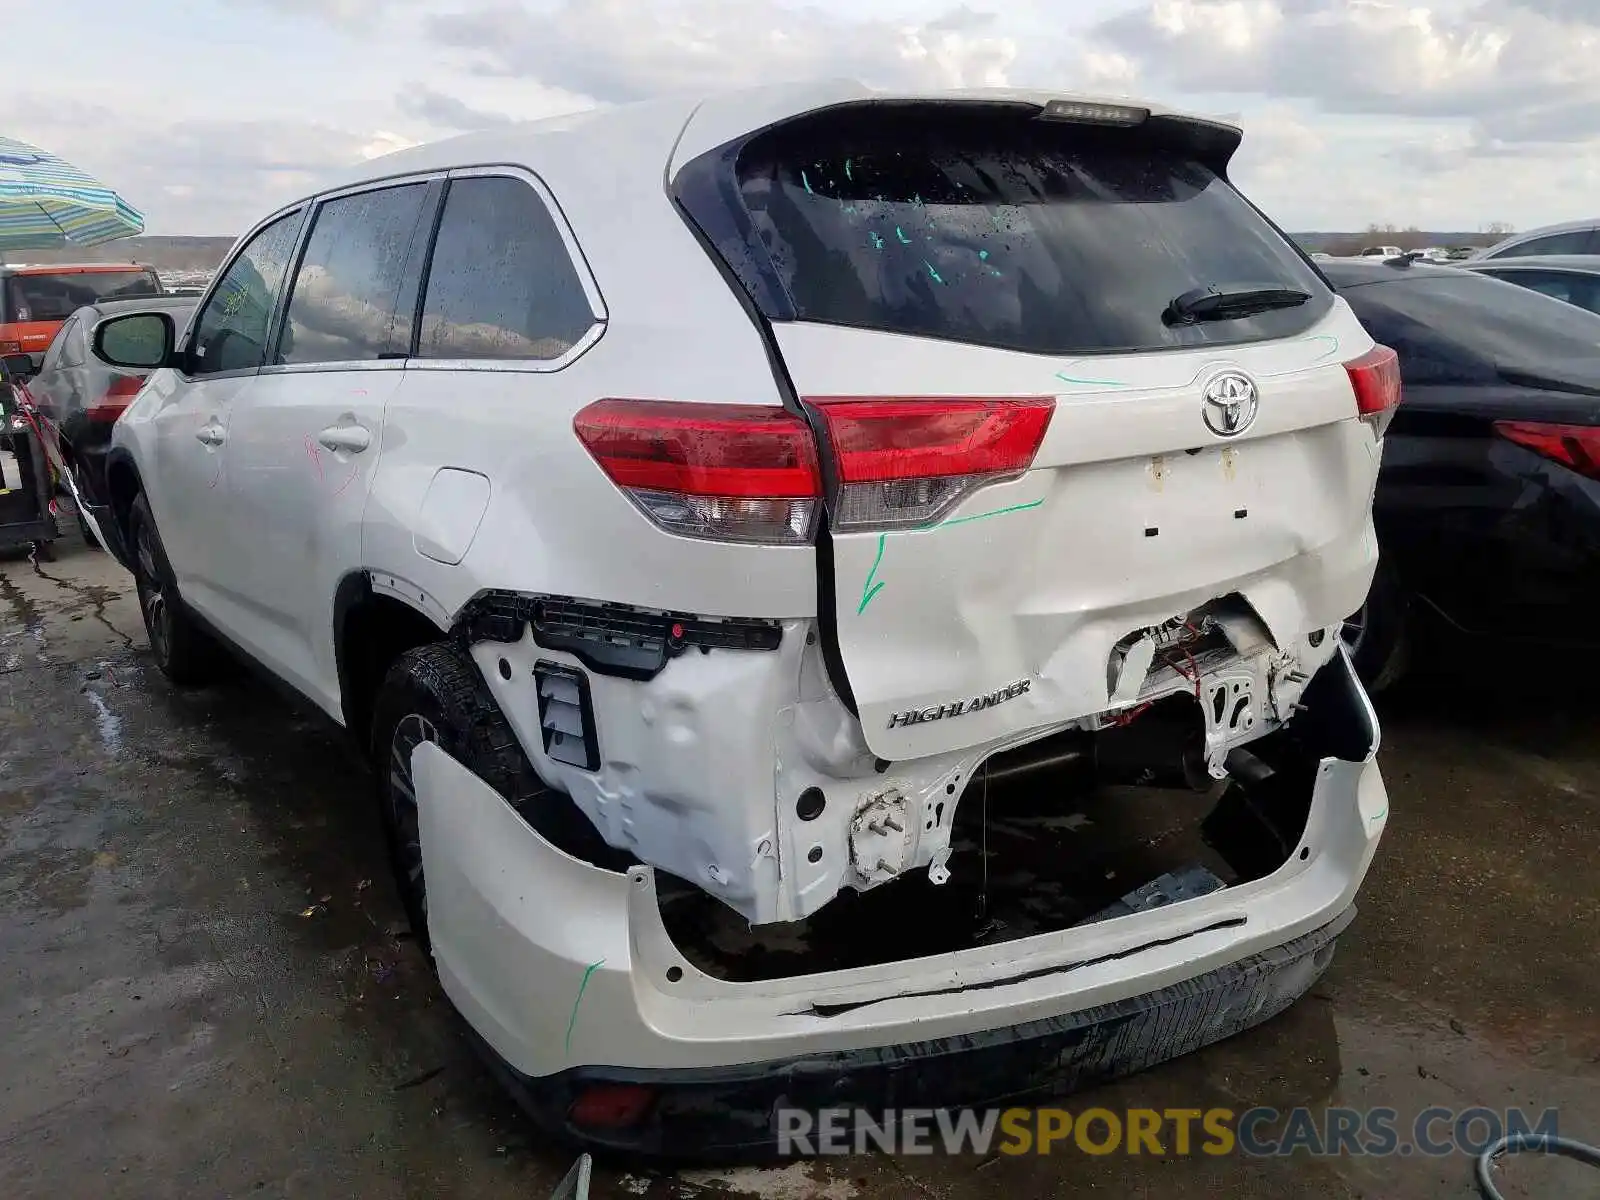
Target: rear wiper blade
1230	301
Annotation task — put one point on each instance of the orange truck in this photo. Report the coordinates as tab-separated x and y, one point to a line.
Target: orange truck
36	300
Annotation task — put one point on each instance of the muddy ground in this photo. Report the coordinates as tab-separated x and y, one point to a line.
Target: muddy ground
206	987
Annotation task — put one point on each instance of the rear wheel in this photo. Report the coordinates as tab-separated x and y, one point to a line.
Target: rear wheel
183	651
1377	636
434	694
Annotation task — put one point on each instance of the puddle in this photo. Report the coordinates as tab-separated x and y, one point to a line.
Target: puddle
107	722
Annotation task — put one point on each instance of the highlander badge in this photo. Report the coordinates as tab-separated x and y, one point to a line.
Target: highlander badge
958	708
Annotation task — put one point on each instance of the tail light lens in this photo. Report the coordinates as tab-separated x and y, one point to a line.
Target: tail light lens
118	396
1574	446
729	472
10	347
906	461
610	1106
749	473
1375	376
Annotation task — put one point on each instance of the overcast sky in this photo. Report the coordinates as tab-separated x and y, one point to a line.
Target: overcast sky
208	113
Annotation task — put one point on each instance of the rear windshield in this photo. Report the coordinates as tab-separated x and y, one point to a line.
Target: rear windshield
1009	231
1462	327
57	297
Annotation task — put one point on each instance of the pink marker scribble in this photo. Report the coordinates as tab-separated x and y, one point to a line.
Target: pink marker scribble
315	455
349	479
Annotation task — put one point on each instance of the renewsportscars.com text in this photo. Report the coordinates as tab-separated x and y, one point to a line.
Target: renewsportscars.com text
1175	1132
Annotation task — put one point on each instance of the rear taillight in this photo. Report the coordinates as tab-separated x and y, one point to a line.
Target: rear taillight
730	472
610	1106
10	347
1575	446
906	461
118	396
1375	376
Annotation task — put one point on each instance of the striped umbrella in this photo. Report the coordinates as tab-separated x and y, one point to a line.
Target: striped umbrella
46	203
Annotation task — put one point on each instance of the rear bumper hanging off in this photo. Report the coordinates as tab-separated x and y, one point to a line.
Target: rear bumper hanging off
729	1112
569	975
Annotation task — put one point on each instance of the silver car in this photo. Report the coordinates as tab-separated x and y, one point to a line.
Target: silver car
1574	278
1570	237
84	397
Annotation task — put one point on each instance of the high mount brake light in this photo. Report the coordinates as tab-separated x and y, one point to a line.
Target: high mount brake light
907	460
727	472
1574	446
1085	112
1375	376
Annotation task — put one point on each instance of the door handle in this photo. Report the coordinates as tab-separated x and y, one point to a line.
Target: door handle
211	434
352	439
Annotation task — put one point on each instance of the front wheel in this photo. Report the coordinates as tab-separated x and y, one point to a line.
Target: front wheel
183	651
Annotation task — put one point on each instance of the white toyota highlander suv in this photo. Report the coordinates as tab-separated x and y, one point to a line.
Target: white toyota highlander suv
709	503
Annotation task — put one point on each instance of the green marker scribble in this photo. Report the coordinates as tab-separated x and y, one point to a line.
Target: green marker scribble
576	1000
999	512
937	278
847	174
1325	337
807	182
900	233
870	589
1065	378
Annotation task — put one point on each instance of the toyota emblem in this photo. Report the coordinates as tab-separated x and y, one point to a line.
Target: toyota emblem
1229	404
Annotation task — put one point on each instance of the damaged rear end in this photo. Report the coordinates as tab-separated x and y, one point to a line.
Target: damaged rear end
1083	451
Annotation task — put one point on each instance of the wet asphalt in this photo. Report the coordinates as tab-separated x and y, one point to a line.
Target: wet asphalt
207	987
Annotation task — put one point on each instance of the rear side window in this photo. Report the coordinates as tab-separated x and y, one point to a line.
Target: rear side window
231	333
348	288
1466	328
1009	231
71	340
1574	288
1577	241
56	297
501	284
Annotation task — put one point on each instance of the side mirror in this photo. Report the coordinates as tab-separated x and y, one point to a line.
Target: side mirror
16	367
138	341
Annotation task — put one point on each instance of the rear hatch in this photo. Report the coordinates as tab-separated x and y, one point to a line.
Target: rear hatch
1067	384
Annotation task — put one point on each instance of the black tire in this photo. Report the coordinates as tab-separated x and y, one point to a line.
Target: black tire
185	653
1378	635
435	693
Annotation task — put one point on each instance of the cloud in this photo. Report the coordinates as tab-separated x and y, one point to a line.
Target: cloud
1522	71
619	50
201	176
447	112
